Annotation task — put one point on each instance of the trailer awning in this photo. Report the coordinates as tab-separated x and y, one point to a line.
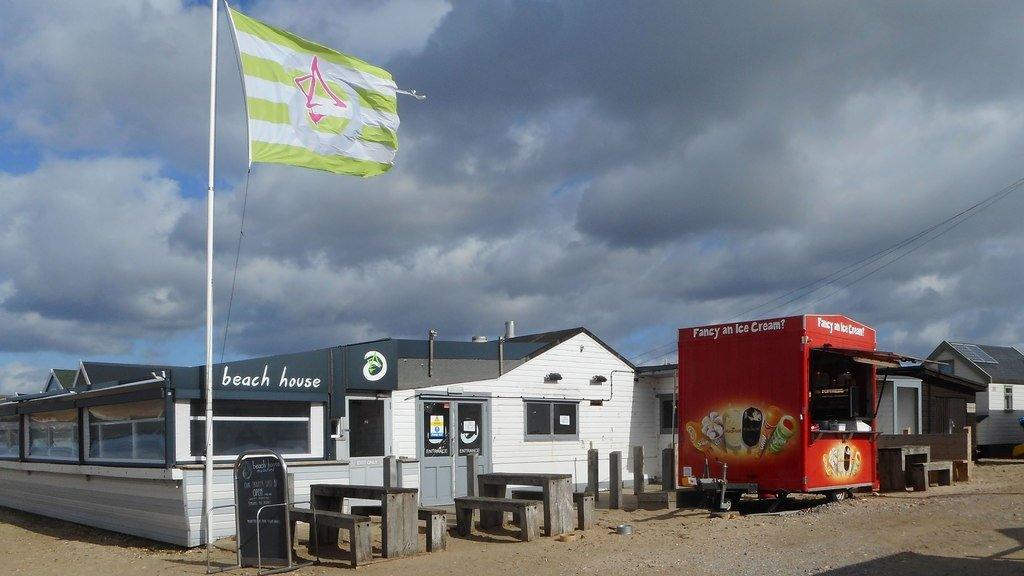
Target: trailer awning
875	357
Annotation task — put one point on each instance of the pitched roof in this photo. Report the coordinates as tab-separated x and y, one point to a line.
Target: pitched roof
65	377
1008	367
556	337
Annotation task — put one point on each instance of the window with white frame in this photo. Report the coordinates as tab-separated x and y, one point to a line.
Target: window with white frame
10	439
52	435
1008	398
241	425
131	431
551	420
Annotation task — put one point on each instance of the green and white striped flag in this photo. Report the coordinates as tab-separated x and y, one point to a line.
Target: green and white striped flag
314	107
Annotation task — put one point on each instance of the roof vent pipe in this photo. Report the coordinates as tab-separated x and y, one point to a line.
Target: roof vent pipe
479	339
430	352
510	329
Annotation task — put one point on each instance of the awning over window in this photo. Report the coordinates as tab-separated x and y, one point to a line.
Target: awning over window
875	357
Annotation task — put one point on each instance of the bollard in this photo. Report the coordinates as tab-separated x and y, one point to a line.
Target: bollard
593	478
615	480
471	472
391	479
638	470
669	480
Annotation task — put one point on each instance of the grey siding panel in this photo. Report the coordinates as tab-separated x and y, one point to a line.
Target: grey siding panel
223	495
141	507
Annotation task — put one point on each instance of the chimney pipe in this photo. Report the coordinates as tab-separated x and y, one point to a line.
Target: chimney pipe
510	329
430	353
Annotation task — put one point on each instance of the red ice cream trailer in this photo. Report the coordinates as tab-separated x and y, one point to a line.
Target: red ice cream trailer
778	406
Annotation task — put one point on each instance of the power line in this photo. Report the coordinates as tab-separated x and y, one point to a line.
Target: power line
802	292
868	260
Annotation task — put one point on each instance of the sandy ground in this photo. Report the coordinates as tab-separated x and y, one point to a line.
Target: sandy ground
972	528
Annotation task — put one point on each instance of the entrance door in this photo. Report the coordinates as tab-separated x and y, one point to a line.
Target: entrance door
368	441
449	431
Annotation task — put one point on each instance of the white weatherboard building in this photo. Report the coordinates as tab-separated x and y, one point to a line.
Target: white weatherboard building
1000	407
574	393
120	446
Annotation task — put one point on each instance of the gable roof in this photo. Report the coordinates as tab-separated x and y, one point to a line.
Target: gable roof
1008	367
556	337
66	378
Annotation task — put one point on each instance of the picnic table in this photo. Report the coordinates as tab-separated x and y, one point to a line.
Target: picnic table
557	498
398	514
895	465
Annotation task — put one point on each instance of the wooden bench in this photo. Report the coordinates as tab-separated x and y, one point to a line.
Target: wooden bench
358	529
437	528
584	502
526	513
921	472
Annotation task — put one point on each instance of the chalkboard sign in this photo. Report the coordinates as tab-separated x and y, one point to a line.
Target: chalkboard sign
262	479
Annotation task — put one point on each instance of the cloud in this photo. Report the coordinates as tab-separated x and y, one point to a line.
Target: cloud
20	378
632	171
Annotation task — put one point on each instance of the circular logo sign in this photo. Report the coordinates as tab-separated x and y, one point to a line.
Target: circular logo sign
376	366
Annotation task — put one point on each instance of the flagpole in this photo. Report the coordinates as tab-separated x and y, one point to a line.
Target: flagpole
208	454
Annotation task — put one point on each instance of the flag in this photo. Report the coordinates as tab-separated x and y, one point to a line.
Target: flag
311	106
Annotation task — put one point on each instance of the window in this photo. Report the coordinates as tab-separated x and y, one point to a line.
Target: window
840	387
1008	398
669	423
9	436
252	425
551	420
366	428
53	435
130	431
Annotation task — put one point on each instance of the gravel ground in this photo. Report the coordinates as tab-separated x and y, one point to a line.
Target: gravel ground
972	528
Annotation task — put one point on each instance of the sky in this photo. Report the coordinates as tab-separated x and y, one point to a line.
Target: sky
631	167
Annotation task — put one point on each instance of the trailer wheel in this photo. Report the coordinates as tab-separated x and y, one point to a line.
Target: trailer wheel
836	495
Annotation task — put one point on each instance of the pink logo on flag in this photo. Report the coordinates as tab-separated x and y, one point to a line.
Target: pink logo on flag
308	84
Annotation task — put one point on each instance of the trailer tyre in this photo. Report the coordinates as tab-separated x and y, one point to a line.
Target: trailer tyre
836	495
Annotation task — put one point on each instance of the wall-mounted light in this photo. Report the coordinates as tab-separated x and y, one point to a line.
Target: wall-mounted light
553	377
598	379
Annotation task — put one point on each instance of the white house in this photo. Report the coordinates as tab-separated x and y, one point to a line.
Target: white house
1000	407
572	394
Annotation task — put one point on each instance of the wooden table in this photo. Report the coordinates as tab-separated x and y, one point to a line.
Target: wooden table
558	512
895	463
398	513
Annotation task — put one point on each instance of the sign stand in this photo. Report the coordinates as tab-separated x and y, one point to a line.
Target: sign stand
263	528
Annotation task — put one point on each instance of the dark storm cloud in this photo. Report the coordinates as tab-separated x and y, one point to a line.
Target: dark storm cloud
633	167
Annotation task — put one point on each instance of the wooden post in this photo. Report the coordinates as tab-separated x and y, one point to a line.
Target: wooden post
471	464
593	473
391	477
668	469
558	507
615	480
400	530
638	470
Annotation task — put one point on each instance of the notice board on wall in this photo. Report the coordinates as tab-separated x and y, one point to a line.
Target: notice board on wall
261	482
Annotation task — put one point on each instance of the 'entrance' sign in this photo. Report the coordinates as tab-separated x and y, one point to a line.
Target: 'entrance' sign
261	482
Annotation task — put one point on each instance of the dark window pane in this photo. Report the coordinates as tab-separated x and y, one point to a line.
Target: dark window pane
252	408
668	421
149	440
471	431
236	436
565	419
435	429
366	428
110	441
538	418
